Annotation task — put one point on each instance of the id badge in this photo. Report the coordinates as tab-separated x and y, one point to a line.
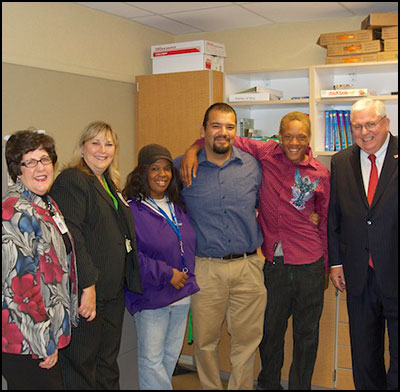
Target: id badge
60	223
128	245
122	199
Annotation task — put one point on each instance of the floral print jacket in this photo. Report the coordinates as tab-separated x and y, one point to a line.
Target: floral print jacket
39	281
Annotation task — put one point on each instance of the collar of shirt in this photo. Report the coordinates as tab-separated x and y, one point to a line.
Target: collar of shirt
366	163
380	154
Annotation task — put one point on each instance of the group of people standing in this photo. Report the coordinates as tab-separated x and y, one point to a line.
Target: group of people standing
77	252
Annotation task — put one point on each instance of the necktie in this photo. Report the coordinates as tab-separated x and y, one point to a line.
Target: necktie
373	179
373	182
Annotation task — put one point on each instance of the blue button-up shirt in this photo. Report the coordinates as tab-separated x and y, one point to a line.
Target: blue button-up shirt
221	203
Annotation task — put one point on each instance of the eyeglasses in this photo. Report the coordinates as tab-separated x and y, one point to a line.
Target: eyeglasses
369	126
30	163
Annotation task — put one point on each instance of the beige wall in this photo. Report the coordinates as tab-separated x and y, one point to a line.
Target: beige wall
72	38
63	104
275	46
64	65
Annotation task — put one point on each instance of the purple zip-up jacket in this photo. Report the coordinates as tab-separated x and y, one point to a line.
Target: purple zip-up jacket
158	253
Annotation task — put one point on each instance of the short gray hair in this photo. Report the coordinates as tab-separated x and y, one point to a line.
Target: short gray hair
364	103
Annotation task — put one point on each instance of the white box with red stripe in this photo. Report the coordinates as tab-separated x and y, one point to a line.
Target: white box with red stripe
188	56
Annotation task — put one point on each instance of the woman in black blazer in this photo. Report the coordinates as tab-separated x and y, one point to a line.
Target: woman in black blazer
103	230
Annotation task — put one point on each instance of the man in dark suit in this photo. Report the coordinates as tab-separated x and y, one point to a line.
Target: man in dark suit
363	242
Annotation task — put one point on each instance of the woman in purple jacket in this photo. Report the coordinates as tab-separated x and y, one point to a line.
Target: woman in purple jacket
166	248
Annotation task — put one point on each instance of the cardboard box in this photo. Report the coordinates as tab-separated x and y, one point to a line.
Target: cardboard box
189	47
354	48
373	21
187	62
355	58
261	89
188	56
388	56
391	45
347	36
390	32
354	92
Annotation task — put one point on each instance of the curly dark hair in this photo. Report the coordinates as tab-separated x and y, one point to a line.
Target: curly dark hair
137	186
22	142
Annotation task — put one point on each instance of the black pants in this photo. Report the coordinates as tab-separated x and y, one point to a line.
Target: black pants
23	373
90	361
367	315
296	290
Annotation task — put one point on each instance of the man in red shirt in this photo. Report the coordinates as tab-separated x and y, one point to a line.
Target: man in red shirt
294	186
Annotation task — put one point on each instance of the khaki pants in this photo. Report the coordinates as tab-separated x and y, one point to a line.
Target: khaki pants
233	289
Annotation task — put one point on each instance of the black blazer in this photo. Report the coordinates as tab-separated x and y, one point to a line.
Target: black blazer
355	229
98	231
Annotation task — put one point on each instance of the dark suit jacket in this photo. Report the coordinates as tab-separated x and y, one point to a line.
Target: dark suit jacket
98	231
355	229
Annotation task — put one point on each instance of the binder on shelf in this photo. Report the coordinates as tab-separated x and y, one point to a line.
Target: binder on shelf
342	129
327	130
347	124
337	130
331	132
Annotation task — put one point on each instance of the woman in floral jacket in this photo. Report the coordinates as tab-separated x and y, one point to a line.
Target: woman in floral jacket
39	282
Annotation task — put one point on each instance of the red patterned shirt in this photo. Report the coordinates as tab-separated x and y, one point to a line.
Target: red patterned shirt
289	193
39	282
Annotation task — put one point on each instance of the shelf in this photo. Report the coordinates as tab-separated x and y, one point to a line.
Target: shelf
358	68
281	102
271	73
324	153
380	77
385	98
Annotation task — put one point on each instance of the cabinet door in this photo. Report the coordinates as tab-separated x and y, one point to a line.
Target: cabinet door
169	108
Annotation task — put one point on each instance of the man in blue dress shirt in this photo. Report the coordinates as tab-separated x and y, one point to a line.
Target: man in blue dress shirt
222	204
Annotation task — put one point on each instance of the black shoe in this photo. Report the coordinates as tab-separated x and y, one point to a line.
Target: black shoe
262	388
182	370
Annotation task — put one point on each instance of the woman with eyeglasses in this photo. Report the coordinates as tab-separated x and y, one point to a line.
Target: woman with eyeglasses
39	281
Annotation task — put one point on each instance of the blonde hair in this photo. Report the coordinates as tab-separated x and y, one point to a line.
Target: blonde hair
299	116
91	131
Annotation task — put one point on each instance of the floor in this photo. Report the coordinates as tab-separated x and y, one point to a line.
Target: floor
187	379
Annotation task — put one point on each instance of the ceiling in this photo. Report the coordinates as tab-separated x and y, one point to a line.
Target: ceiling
197	17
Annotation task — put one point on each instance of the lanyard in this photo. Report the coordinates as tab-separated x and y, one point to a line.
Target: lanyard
175	226
109	192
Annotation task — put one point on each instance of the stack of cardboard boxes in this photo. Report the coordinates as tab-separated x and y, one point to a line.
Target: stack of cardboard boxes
376	41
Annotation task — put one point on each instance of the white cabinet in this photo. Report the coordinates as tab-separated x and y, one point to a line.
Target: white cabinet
380	77
267	114
306	83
